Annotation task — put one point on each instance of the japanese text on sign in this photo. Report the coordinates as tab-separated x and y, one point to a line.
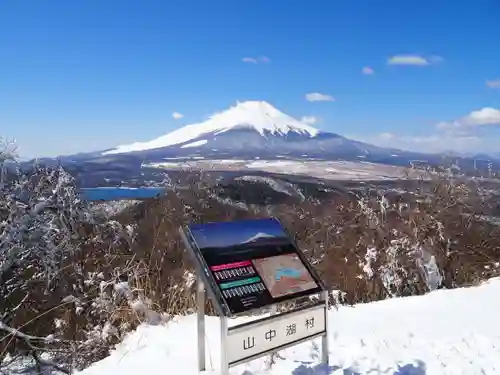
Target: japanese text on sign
268	334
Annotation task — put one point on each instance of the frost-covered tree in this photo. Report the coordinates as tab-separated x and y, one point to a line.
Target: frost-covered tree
56	253
40	215
7	154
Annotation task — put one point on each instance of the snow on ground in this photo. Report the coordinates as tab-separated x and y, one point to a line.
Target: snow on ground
338	170
111	208
230	161
334	170
445	332
272	163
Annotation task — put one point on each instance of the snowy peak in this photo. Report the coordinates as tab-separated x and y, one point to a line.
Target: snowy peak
259	116
259	236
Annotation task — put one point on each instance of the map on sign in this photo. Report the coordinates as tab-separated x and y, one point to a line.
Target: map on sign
284	275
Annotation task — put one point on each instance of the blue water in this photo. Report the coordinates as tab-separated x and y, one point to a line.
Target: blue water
287	272
120	193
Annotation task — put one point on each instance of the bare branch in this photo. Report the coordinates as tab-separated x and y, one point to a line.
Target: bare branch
34	350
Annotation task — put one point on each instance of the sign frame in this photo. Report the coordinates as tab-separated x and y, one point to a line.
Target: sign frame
206	286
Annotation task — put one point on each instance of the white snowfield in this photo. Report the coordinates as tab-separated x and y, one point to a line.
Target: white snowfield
445	332
330	170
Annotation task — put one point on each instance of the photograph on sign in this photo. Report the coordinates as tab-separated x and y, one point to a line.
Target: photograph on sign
253	263
233	235
261	337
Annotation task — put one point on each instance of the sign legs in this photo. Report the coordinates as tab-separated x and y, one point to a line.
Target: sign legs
224	365
200	300
324	339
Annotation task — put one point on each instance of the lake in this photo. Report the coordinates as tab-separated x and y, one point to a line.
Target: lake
120	193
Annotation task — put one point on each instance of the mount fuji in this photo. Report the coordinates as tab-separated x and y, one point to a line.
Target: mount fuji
258	237
254	129
238	139
245	132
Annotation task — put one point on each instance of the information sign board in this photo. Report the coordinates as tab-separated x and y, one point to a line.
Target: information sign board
251	263
247	265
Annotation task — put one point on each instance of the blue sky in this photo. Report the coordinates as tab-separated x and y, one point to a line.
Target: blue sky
86	75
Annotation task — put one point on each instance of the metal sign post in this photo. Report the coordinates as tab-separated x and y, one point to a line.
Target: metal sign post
324	339
224	363
200	302
246	266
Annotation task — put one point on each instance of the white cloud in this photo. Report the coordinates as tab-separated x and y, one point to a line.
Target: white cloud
494	84
432	143
310	120
457	135
249	60
386	136
367	71
177	115
317	97
256	60
486	116
448	126
415	60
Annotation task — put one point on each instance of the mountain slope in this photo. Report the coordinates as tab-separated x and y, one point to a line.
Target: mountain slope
249	129
259	117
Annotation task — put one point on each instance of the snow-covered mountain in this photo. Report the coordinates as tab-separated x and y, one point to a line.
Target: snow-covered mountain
249	129
258	117
259	236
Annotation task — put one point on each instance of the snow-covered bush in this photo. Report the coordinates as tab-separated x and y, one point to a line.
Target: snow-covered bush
370	243
52	249
74	279
376	243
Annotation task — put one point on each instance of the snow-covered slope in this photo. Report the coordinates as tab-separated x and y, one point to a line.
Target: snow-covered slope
248	130
445	332
258	116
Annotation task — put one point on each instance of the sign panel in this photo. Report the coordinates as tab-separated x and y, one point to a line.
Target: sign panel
251	263
273	333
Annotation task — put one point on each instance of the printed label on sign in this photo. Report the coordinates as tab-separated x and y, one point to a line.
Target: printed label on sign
263	336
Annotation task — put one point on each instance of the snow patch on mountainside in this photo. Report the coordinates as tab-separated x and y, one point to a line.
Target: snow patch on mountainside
256	115
195	143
